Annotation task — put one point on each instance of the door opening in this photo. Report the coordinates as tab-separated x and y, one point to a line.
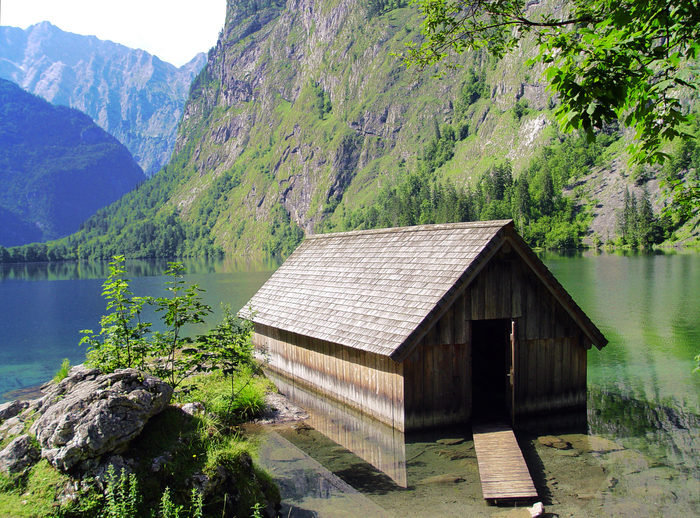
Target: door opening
491	360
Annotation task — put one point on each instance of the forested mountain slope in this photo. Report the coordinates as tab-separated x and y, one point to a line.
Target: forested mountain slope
131	94
57	167
304	121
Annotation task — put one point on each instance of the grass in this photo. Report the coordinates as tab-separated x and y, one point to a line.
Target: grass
33	495
182	446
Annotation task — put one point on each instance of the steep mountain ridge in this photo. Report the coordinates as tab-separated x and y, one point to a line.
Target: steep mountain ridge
304	120
57	168
130	93
310	104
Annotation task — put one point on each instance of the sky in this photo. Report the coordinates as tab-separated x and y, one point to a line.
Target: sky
173	30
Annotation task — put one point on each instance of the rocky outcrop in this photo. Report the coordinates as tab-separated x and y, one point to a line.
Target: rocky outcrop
130	93
11	409
90	414
17	456
86	416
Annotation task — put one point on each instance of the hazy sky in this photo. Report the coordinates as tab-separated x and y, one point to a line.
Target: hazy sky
173	30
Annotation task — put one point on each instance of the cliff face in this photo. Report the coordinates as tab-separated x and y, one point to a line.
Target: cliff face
131	94
303	104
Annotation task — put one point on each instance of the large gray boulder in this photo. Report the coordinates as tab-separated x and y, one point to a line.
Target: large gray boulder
19	455
90	414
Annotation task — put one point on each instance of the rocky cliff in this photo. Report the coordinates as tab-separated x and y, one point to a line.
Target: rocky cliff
131	94
303	104
304	114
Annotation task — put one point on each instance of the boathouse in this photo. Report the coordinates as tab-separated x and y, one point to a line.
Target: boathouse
426	326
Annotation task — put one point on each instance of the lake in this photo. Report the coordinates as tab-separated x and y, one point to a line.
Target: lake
643	395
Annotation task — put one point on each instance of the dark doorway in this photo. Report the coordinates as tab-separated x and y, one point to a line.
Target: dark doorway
490	369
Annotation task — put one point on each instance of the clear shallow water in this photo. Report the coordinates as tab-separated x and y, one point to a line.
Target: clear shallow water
644	399
43	307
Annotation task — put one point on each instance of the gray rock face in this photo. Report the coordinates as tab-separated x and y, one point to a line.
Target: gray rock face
11	409
130	93
89	414
19	455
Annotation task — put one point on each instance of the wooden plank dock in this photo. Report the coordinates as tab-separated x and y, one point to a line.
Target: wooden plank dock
502	469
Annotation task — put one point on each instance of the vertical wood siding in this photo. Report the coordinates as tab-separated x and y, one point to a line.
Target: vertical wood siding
368	382
382	446
433	386
550	360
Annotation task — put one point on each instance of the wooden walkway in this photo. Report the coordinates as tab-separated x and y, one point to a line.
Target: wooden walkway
502	469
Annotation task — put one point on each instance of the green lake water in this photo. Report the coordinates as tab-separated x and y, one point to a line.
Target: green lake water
639	454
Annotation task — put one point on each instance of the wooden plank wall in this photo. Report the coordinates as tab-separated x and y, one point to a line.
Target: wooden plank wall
368	382
550	363
380	445
551	350
437	376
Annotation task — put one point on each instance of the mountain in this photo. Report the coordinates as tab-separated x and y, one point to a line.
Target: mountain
130	93
57	168
303	120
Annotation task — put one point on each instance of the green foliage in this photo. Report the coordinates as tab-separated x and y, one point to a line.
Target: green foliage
636	224
182	307
58	158
607	61
62	372
285	234
121	495
120	342
323	103
378	7
543	215
126	341
229	347
43	483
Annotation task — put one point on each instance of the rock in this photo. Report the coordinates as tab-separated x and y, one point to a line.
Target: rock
100	474
450	442
536	510
19	455
193	408
161	461
13	426
592	443
90	414
441	479
12	409
454	454
554	442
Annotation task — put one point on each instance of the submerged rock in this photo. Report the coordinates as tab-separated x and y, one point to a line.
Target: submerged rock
441	479
592	443
450	442
553	441
90	414
18	456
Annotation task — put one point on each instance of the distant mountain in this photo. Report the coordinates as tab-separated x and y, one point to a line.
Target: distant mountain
130	93
57	168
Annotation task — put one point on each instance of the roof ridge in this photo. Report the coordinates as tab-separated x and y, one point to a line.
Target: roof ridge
500	223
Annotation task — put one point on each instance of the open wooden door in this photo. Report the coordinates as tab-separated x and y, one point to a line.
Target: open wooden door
511	374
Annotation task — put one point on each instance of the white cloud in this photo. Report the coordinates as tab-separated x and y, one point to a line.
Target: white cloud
173	30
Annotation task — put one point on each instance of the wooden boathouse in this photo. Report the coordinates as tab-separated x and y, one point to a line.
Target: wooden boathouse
426	326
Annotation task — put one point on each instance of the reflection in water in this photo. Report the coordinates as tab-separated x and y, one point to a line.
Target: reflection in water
378	444
44	306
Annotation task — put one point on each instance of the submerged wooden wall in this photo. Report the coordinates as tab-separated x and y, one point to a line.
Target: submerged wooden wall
368	382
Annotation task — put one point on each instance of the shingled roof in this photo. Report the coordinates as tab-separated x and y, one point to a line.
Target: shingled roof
380	290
